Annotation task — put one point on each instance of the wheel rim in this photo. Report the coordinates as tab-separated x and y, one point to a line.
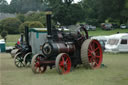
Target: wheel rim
37	68
65	64
95	54
19	60
27	59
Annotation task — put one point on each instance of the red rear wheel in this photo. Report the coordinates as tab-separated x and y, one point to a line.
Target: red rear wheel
91	54
63	63
36	67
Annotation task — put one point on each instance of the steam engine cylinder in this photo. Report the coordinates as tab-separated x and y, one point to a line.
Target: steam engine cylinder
52	49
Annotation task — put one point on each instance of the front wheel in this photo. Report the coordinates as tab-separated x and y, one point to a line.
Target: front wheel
35	64
63	63
18	60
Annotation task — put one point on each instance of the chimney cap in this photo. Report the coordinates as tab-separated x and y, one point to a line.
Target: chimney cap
48	11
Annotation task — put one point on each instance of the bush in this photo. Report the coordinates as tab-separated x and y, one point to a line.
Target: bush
34	24
21	17
11	25
4	34
22	26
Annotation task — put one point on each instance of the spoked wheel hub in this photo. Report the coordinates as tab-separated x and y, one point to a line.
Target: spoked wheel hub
63	63
91	54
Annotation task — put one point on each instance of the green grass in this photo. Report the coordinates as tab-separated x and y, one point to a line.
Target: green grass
116	73
104	32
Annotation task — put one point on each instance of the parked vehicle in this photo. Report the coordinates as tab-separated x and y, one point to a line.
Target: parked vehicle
102	38
123	26
115	26
90	27
117	43
106	26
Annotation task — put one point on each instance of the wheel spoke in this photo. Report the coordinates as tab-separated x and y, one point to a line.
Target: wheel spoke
89	51
89	54
90	47
97	56
91	59
40	69
96	49
95	62
61	63
97	52
63	69
93	45
36	67
17	63
63	59
17	58
67	60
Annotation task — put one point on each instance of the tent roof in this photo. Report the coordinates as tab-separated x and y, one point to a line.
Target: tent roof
119	36
43	30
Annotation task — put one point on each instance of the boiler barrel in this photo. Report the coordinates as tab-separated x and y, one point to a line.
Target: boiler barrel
53	49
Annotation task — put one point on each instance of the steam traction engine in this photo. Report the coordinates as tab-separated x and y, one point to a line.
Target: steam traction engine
24	49
66	49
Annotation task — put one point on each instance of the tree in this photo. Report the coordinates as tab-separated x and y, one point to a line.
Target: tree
65	12
68	15
3	6
90	8
36	16
11	25
111	9
22	6
15	6
124	13
100	10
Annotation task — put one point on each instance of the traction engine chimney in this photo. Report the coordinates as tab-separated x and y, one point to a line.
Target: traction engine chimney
48	19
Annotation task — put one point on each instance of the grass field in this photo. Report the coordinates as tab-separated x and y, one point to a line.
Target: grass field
11	39
116	73
104	32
